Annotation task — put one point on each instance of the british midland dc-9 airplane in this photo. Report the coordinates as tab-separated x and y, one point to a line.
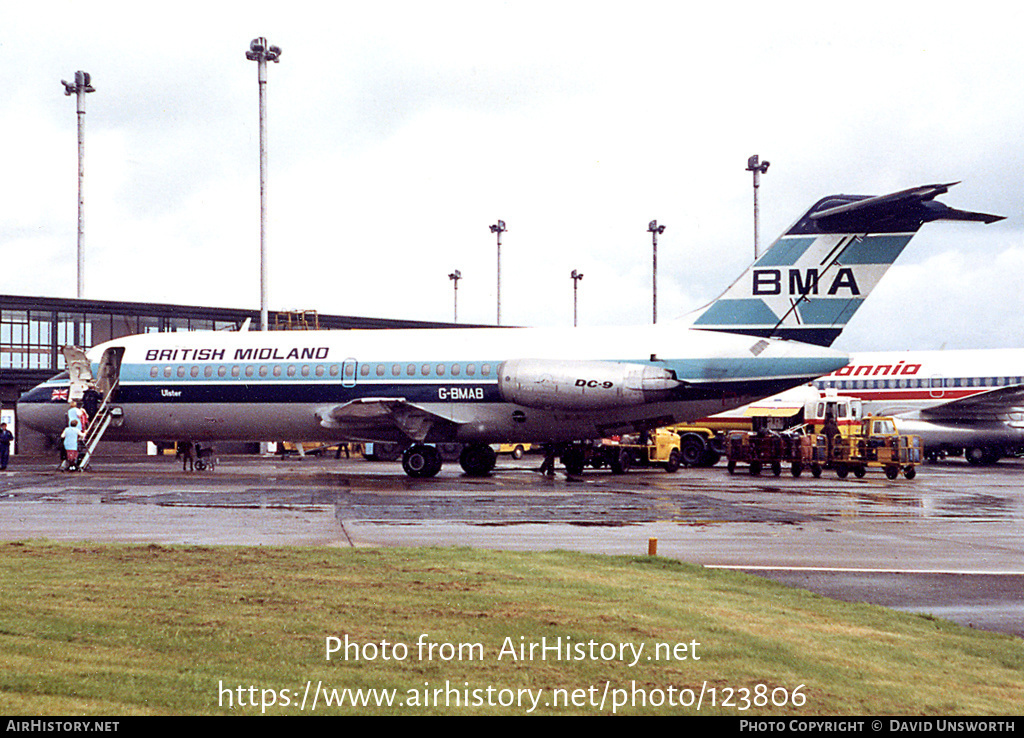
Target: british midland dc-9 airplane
476	386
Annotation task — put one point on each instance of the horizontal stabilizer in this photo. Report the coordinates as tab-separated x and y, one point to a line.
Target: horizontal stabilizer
898	212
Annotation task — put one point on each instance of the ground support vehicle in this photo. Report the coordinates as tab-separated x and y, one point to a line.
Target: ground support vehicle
876	444
699	445
873	444
620	454
770	450
808	451
515	450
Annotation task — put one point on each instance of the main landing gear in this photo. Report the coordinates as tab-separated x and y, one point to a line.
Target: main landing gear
422	460
477	459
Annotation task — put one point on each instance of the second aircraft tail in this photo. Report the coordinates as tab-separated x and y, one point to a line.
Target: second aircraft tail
812	280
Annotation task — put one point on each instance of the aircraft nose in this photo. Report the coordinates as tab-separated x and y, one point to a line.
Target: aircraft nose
37	410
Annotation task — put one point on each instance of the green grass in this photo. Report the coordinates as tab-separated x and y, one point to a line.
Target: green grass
124	630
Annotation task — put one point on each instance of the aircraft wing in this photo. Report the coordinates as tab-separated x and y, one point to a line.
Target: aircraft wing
390	412
984	405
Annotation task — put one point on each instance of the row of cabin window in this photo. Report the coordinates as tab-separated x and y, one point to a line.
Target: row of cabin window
924	383
425	370
249	370
319	370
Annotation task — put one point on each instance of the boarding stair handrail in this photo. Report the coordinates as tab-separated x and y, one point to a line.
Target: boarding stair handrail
98	426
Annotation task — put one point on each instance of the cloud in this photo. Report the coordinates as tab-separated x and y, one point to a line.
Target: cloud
399	131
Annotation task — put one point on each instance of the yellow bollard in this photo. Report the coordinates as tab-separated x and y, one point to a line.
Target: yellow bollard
652	546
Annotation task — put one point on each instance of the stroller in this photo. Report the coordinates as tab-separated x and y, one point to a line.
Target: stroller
205	458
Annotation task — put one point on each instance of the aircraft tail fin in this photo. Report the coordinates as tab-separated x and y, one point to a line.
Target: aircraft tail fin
812	280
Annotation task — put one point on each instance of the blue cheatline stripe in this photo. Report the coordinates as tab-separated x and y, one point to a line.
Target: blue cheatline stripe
310	393
785	251
749	369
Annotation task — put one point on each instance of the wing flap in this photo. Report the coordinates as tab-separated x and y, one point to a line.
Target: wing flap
391	412
982	405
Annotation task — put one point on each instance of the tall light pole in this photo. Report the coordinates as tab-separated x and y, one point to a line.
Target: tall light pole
79	88
576	277
455	277
654	229
261	53
499	228
758	168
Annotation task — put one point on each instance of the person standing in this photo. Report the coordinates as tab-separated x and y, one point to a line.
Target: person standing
77	414
70	436
5	445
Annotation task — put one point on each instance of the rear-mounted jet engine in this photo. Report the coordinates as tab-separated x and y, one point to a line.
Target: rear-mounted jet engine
583	385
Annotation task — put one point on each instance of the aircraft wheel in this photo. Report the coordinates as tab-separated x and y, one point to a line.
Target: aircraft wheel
974	455
477	459
990	455
421	460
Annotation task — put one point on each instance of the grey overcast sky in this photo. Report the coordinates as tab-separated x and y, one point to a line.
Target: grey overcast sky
399	131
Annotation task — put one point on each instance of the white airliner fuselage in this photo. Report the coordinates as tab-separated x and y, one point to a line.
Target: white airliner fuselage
969	401
766	333
466	385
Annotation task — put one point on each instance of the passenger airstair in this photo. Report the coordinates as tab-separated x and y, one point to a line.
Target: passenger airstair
105	416
105	384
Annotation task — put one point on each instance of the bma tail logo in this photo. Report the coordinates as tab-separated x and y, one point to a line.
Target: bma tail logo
806	282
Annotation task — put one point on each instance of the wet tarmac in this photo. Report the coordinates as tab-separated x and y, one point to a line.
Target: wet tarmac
949	543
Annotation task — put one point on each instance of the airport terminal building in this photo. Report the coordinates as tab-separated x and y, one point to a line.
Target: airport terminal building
33	330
